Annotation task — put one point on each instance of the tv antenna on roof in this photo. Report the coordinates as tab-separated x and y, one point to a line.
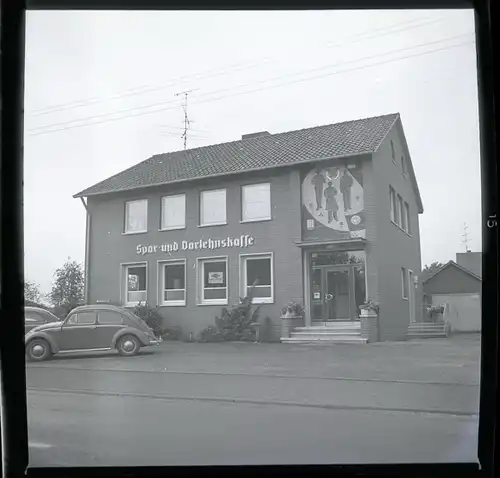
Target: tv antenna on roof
466	238
184	105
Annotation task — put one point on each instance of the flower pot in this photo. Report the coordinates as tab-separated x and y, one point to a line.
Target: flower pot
289	322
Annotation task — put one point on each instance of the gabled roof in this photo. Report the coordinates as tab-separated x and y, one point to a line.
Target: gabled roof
452	264
349	138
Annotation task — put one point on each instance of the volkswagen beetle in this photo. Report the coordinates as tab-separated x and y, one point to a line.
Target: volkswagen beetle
90	328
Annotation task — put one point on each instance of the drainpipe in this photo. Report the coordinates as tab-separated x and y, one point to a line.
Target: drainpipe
87	252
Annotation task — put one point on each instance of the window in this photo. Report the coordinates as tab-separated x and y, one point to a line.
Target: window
108	317
394	208
257	271
173	283
404	283
407	216
213	207
135	284
173	212
136	216
256	202
403	165
212	279
401	213
82	318
393	152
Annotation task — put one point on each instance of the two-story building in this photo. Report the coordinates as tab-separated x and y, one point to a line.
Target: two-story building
326	216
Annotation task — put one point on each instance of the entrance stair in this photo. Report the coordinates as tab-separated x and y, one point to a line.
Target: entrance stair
424	330
348	332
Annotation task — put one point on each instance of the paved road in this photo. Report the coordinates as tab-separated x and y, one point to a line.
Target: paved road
252	404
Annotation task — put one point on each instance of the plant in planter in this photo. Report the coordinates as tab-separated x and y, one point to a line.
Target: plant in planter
370	306
292	309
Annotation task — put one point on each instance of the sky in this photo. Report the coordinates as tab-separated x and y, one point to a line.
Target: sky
100	97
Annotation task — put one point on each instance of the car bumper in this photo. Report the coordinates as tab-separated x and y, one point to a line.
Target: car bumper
156	342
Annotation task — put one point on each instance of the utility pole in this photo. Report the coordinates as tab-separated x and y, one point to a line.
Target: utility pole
466	238
186	119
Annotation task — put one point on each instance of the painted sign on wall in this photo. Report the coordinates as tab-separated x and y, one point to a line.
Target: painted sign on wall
242	241
333	202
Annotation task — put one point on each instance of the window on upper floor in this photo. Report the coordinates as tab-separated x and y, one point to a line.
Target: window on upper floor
403	165
407	215
257	272
136	216
135	284
393	152
393	205
173	212
401	213
213	207
256	202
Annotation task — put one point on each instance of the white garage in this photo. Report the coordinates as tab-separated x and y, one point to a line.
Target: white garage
462	312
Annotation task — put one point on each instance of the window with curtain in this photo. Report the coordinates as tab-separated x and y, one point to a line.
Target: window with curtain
135	284
173	212
136	216
213	207
256	202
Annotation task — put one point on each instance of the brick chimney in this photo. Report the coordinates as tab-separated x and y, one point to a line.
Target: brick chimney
255	135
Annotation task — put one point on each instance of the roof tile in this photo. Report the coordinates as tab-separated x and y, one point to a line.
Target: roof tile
361	136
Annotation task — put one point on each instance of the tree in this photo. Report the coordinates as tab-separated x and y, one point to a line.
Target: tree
429	270
32	292
68	287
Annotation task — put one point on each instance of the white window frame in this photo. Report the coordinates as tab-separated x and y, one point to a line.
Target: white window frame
393	152
200	280
404	277
407	215
161	283
163	201
401	209
404	168
393	205
243	258
244	188
125	222
123	282
201	208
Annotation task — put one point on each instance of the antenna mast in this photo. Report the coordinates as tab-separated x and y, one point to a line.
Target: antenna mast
466	238
187	124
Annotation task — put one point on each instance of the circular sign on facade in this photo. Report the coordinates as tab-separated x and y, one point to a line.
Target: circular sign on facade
333	197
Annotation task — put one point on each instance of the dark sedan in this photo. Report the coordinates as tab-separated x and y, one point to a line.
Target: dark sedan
35	316
90	328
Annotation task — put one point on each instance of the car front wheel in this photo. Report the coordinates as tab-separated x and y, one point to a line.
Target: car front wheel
128	345
38	350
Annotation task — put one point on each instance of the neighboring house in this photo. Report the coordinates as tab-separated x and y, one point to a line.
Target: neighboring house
326	216
460	288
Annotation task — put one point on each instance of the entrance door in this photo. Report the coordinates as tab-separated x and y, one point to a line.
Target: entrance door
333	294
338	294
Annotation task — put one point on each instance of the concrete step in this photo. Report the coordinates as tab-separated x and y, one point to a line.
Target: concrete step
339	339
339	326
325	333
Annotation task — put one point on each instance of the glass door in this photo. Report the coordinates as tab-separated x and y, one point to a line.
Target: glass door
339	294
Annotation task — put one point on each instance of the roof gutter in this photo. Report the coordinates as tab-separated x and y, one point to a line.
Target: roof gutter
87	252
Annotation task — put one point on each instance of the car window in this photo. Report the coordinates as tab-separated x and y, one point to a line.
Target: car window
82	318
33	317
110	318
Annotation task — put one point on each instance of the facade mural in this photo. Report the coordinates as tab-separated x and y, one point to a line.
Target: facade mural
333	203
